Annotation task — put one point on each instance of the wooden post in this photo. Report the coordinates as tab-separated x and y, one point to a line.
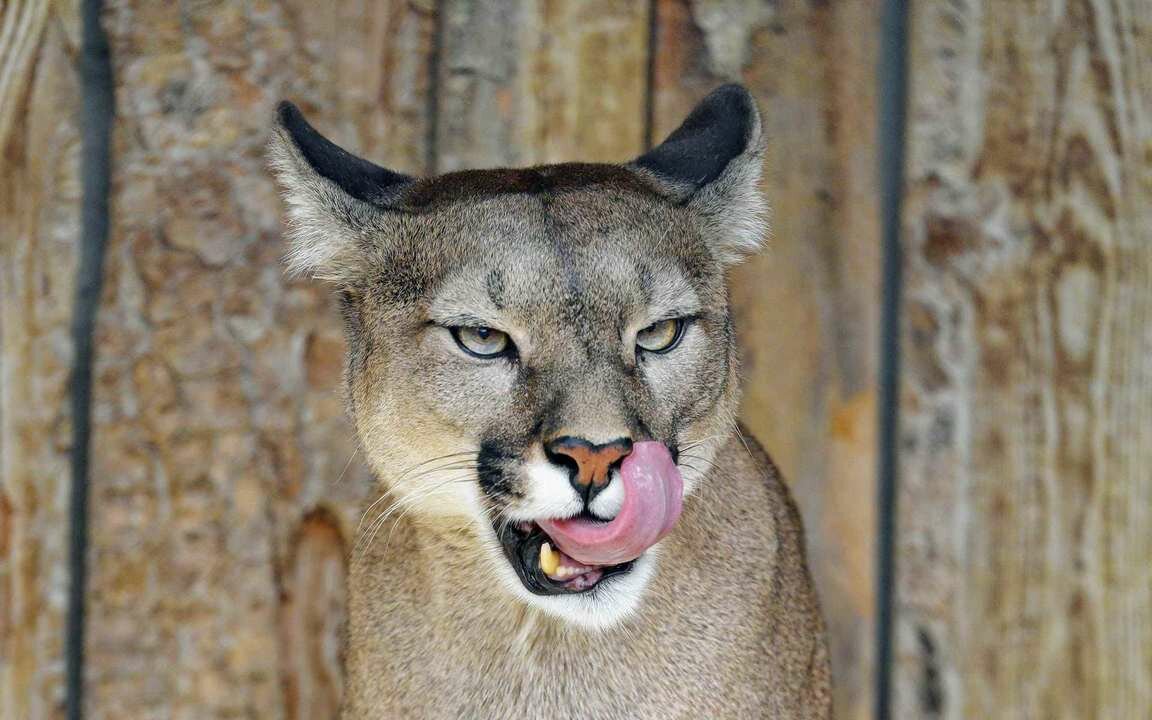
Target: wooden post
1026	478
535	81
39	217
312	617
218	421
806	308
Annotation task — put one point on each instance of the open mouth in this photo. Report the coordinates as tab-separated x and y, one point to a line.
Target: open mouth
560	556
543	567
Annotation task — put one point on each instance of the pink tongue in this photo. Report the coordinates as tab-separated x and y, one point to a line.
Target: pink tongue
653	499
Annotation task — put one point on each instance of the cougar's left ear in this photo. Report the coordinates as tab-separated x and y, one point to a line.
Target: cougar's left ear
712	163
335	200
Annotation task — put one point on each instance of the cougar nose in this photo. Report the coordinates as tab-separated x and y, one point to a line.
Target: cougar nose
587	464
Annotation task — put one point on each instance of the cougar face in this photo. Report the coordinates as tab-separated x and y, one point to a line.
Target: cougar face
541	357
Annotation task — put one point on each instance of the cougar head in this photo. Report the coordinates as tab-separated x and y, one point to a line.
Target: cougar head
544	356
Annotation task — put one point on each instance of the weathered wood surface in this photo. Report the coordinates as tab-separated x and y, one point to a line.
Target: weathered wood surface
218	418
220	517
535	81
1025	588
806	309
39	213
312	614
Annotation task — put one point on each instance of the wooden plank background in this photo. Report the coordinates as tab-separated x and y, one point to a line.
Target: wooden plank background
806	309
39	217
1025	582
226	491
225	483
219	439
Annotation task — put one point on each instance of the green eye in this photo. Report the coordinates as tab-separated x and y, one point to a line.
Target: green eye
482	342
660	337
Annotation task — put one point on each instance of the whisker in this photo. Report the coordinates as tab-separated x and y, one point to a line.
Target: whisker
709	463
440	469
346	466
396	524
376	502
405	506
401	502
421	464
697	443
456	464
693	469
739	434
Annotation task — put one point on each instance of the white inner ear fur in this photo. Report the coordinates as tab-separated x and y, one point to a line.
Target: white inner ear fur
324	223
733	208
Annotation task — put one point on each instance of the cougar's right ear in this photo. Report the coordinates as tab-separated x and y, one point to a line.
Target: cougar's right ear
335	199
712	164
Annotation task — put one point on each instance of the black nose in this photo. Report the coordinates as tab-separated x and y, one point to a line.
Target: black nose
588	464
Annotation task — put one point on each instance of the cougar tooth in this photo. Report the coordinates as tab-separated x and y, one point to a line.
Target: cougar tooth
549	559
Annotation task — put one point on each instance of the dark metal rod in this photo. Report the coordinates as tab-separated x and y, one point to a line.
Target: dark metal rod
893	97
95	170
650	74
435	69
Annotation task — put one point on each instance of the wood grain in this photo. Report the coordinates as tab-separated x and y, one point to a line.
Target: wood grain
1025	534
225	485
535	81
312	616
806	308
218	422
39	216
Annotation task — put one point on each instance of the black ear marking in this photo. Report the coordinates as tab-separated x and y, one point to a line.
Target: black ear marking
359	178
717	131
712	165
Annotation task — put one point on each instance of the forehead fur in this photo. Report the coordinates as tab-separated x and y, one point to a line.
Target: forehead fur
433	193
577	243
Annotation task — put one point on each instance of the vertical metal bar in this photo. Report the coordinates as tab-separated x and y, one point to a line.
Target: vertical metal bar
650	74
435	62
893	95
95	169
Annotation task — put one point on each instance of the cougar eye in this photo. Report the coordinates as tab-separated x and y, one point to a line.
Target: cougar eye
482	342
660	337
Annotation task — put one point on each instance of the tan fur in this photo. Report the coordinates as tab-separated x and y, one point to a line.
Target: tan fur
452	615
730	627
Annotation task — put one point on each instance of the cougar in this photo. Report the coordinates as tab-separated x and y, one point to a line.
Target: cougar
542	374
